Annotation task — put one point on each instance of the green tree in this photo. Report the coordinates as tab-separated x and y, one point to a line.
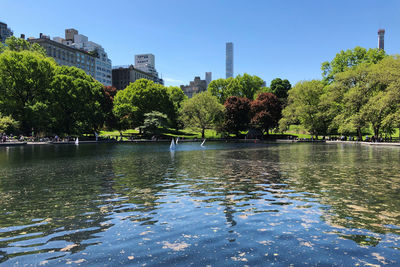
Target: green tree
222	88
25	79
241	86
202	111
348	59
249	85
349	92
8	125
18	44
280	88
391	103
375	110
154	122
177	96
304	108
107	105
75	102
141	97
383	107
359	96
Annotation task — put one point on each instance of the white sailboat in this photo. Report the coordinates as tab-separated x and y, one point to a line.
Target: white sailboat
172	146
77	141
202	144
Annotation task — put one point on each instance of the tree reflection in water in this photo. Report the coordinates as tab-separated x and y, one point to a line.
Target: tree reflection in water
98	202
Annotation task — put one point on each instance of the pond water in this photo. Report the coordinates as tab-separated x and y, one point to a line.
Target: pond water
221	205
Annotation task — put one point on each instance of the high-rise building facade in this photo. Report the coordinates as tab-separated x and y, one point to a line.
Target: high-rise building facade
5	32
229	60
103	67
123	76
146	63
69	34
76	50
196	86
208	78
381	39
66	55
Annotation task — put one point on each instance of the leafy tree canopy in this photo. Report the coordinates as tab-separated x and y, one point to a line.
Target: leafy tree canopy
107	104
75	101
177	96
350	58
266	111
241	86
18	44
221	88
141	97
280	88
154	122
8	125
249	85
25	79
237	114
304	107
202	111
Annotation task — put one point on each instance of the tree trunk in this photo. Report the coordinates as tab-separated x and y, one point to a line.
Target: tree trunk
376	132
399	132
202	133
359	134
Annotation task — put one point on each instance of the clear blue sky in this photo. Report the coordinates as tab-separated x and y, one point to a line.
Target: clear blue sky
286	39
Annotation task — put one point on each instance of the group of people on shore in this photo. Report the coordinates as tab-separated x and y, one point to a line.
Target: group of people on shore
11	138
367	139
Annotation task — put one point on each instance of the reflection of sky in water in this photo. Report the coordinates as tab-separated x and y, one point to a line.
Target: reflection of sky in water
224	204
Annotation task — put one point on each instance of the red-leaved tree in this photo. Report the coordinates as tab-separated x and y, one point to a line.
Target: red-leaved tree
266	112
237	115
107	105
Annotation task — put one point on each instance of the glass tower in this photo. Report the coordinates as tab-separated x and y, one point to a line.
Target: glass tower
381	39
229	60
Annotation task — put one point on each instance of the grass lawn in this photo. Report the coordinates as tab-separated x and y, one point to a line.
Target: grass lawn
294	130
185	133
191	133
116	134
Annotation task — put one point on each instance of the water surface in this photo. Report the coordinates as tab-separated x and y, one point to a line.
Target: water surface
222	205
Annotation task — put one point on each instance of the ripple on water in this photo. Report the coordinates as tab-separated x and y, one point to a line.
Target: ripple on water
224	205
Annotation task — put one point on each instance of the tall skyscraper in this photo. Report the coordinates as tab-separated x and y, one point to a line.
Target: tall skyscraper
381	39
229	60
208	78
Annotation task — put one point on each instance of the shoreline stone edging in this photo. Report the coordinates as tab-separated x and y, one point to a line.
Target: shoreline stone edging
364	143
285	141
13	144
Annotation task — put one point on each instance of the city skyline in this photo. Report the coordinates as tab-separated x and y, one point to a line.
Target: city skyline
271	39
